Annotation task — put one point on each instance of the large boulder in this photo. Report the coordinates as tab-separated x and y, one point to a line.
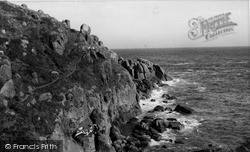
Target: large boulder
85	29
8	90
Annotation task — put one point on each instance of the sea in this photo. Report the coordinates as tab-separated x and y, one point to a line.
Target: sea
215	82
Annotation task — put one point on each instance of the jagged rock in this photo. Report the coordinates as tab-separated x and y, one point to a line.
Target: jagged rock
176	125
45	96
159	72
8	90
36	42
102	144
115	134
58	41
159	124
183	109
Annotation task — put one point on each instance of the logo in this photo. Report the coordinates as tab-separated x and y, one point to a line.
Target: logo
210	28
7	146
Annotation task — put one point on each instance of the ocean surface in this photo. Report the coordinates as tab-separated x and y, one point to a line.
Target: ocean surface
215	82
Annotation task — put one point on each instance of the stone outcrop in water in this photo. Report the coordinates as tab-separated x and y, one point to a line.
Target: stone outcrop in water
58	84
145	75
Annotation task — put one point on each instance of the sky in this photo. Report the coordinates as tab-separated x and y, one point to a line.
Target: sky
149	23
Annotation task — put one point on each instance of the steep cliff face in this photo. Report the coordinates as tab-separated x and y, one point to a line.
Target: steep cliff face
58	83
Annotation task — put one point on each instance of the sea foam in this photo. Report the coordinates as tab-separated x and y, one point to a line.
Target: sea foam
189	122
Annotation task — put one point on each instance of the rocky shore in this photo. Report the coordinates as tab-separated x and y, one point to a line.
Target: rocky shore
58	83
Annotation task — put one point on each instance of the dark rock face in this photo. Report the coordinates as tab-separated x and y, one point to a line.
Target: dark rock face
183	109
53	79
145	75
57	83
160	125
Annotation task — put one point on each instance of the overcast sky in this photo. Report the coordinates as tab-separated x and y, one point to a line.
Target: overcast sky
147	23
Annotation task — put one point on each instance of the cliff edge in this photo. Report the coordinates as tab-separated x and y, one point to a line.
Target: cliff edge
61	84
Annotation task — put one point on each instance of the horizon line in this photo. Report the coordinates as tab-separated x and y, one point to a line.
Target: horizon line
177	47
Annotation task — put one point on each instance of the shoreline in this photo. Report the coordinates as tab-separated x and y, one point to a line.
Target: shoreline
188	121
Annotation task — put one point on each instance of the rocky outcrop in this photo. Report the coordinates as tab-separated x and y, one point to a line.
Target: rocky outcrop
145	75
57	83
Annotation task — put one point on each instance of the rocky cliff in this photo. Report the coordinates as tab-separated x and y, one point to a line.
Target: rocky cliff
61	84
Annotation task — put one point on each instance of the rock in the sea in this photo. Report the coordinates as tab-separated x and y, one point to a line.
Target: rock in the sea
159	108
159	124
183	109
159	72
8	90
176	125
